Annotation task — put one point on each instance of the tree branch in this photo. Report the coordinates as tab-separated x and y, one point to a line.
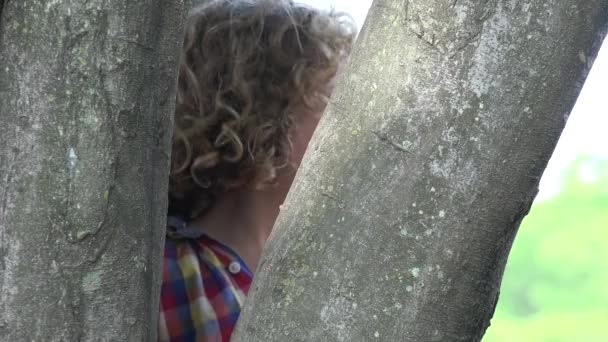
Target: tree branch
418	252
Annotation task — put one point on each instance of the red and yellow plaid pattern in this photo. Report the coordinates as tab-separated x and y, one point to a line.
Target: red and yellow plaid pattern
203	289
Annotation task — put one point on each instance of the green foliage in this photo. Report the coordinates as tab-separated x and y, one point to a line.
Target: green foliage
555	286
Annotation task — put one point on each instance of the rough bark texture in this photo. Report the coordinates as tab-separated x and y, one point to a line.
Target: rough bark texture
403	213
86	97
1	7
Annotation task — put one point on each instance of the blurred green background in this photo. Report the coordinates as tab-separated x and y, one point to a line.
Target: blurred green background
555	286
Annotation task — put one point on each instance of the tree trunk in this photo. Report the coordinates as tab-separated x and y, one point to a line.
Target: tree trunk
401	218
86	103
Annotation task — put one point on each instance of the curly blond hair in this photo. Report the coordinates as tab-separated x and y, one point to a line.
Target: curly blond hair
245	66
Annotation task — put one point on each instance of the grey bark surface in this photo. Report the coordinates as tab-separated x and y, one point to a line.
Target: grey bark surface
402	215
86	103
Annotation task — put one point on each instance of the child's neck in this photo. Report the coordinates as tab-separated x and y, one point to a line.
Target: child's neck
242	220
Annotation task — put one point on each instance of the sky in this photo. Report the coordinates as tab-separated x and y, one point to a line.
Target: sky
585	132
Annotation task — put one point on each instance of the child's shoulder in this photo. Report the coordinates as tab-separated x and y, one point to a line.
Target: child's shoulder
204	284
191	253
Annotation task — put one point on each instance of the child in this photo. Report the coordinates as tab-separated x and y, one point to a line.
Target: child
254	80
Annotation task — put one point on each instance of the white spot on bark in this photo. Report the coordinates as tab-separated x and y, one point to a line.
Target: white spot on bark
415	272
490	48
334	314
582	57
9	288
441	213
449	135
461	14
50	4
91	281
82	234
72	159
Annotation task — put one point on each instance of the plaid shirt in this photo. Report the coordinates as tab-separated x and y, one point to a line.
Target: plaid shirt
204	284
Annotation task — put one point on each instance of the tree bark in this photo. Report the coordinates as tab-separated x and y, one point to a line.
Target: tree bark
86	103
402	215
